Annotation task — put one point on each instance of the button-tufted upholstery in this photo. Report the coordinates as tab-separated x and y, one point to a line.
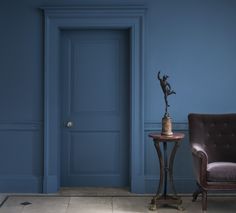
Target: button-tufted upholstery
213	145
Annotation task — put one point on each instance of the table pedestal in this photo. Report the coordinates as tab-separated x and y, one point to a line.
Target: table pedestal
166	170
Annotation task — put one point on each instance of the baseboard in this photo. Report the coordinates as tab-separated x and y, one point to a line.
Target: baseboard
20	183
50	184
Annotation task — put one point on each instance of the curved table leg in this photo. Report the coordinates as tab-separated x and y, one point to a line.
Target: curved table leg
171	163
153	205
166	168
161	164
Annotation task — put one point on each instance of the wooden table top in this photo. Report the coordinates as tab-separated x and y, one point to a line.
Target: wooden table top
159	137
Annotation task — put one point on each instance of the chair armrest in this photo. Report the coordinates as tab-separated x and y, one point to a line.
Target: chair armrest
200	161
199	152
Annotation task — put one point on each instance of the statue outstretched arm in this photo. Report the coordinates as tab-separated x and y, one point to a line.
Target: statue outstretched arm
158	75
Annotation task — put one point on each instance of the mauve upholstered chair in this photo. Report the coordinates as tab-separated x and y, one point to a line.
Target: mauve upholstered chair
213	145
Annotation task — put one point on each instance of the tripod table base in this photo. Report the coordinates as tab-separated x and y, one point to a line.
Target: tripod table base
169	201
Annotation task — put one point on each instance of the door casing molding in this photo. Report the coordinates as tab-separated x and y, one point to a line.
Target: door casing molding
93	17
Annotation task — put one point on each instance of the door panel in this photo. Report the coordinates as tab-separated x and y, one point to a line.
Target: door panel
95	98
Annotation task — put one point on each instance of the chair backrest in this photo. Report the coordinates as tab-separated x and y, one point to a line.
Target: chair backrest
216	134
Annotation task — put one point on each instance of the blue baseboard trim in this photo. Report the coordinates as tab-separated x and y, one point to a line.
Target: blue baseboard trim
20	184
137	185
50	184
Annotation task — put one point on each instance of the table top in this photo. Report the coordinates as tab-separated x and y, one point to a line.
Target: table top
159	137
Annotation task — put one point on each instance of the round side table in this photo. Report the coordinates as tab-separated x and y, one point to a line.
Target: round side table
166	169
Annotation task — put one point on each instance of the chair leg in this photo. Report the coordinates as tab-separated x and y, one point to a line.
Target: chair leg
204	201
198	191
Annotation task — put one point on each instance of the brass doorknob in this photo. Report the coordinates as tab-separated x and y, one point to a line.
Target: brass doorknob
69	124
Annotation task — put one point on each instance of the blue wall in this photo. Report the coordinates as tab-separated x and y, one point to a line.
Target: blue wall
191	40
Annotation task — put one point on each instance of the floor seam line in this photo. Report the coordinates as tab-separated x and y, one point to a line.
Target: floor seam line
112	201
67	207
4	200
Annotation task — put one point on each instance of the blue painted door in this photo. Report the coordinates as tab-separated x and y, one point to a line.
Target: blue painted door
95	107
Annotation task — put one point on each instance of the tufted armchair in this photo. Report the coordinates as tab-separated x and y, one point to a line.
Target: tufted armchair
213	146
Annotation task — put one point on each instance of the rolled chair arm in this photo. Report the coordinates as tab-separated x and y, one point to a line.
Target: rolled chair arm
199	152
200	161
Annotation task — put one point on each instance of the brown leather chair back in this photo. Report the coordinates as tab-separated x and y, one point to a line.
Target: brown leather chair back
216	134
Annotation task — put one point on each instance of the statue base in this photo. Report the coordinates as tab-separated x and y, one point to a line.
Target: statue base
166	126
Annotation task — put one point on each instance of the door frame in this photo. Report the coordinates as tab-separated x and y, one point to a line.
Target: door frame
129	17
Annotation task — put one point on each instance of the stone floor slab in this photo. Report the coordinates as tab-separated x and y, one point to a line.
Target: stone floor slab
131	204
90	205
37	204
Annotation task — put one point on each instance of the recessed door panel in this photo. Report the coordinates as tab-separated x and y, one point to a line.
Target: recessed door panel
95	100
96	161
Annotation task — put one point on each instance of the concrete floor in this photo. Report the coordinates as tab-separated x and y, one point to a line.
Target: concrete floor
103	201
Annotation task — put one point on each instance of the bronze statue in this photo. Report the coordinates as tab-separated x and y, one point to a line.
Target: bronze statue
166	88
